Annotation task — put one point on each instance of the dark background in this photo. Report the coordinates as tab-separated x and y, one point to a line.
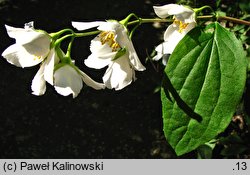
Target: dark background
97	124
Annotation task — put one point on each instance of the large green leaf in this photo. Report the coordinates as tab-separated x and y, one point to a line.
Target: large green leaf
207	71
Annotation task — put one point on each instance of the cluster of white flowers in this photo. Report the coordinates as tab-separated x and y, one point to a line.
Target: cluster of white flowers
112	47
33	47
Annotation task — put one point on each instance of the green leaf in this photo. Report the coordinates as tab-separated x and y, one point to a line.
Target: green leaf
120	53
206	151
208	72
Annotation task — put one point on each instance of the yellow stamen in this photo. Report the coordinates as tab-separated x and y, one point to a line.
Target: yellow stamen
109	38
182	26
176	22
37	57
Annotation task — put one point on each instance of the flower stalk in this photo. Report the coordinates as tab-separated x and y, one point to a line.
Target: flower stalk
219	18
138	22
56	35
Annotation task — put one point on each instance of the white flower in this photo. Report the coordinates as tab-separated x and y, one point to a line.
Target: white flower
112	48
180	12
184	21
31	47
68	80
119	73
45	73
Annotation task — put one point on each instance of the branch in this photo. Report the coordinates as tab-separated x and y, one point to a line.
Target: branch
227	18
234	20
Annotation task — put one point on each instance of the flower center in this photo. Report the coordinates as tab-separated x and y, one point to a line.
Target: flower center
182	26
109	38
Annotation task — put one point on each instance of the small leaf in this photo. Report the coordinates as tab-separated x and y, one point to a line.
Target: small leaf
208	71
120	53
206	151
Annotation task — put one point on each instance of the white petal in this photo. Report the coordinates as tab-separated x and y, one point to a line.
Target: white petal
38	83
110	25
179	10
24	36
170	31
125	42
98	48
39	46
158	56
30	49
172	37
119	74
134	60
93	61
122	35
160	51
67	81
86	25
101	55
186	17
163	52
189	27
90	82
18	56
50	63
163	11
170	45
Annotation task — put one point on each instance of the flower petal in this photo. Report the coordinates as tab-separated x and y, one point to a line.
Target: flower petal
171	30
30	49
134	60
101	54
27	35
179	10
98	48
125	42
39	46
173	36
186	17
90	82
163	11
86	25
119	74
18	56
93	61
189	27
110	25
38	85
50	63
160	51
163	48
67	81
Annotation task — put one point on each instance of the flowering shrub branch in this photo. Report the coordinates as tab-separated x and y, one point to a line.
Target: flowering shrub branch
201	61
